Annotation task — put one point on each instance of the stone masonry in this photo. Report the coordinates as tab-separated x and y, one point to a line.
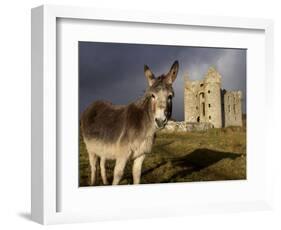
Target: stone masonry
205	101
233	108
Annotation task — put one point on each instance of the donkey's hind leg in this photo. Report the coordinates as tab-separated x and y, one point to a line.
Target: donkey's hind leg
93	164
103	170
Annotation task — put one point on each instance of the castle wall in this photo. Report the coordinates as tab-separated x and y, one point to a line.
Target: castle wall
213	104
191	101
233	108
205	101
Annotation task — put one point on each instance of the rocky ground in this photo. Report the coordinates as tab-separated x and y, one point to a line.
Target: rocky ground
213	154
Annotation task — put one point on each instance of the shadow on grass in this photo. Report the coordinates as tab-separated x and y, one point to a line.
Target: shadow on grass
202	158
192	162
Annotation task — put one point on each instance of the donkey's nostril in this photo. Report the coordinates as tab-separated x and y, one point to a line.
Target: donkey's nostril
161	123
158	122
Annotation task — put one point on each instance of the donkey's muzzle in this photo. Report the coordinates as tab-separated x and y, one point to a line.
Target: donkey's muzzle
161	123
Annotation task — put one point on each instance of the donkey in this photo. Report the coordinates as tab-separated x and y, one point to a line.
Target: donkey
122	132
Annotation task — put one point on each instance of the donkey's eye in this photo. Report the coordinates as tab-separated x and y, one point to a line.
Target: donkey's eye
170	97
153	96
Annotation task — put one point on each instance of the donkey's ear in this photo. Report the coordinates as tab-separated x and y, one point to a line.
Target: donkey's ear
172	75
149	75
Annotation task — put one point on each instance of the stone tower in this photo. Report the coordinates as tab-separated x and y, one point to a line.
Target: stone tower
202	99
191	101
233	108
213	97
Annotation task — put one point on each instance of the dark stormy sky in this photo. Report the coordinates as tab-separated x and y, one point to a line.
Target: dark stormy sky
114	71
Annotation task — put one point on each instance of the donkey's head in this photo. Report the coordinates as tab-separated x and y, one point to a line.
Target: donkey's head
160	92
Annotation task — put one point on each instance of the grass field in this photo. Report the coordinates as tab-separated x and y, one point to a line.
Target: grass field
216	154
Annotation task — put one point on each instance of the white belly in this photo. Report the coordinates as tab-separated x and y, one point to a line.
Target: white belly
117	150
109	151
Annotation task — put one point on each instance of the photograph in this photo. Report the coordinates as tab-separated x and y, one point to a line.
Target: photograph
153	113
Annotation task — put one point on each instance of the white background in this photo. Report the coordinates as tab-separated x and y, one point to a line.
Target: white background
15	113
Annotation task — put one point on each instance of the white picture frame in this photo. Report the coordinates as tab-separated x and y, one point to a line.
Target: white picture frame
45	90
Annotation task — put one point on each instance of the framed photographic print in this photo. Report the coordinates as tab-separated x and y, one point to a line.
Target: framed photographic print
139	114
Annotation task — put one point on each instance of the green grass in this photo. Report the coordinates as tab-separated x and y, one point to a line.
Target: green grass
217	154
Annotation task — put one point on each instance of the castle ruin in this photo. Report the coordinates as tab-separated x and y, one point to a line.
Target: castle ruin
205	101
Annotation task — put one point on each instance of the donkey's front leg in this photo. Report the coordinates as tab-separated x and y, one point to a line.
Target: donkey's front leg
119	170
137	168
